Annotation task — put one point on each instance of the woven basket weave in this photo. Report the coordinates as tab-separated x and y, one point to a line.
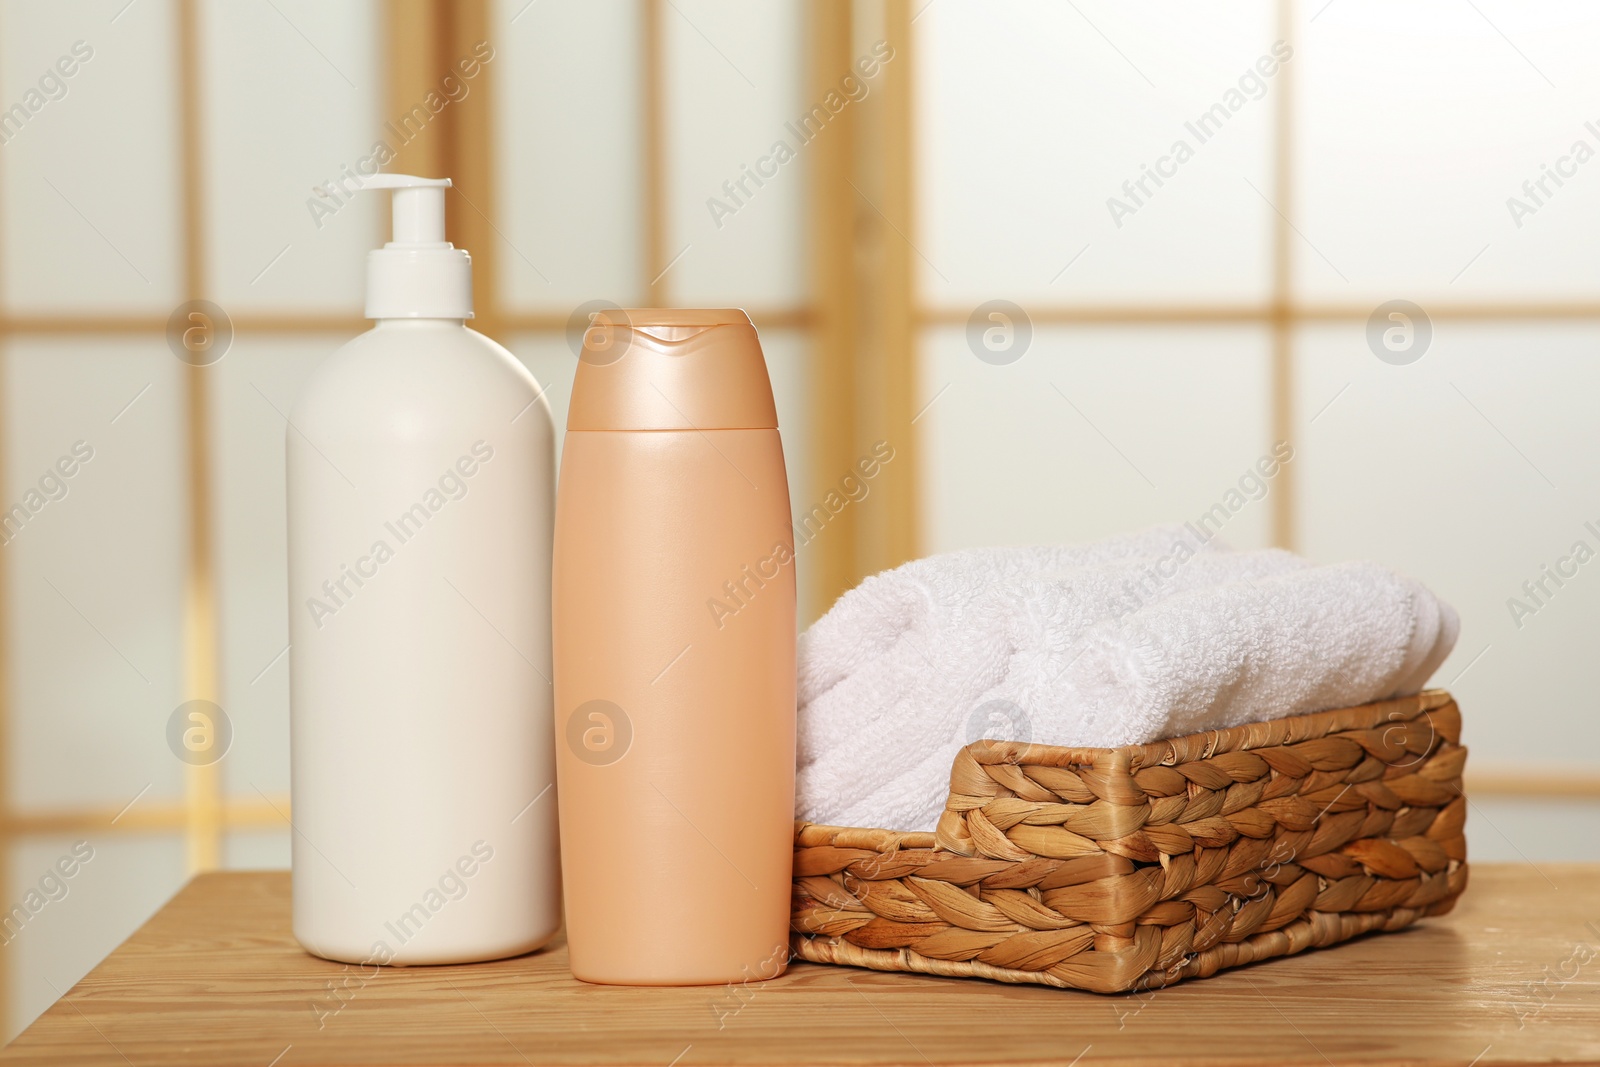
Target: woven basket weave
1136	867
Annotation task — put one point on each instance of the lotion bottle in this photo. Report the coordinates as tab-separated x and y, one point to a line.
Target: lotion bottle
675	655
420	501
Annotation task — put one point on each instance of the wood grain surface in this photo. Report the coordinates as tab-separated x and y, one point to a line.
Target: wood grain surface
1512	976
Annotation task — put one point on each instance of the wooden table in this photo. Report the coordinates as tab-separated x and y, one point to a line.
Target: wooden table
1512	976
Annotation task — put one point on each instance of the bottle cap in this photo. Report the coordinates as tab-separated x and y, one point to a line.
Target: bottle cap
671	369
418	274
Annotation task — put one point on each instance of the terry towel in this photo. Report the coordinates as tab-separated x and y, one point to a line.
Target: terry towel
1152	635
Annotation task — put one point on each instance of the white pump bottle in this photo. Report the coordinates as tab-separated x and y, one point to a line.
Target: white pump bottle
420	501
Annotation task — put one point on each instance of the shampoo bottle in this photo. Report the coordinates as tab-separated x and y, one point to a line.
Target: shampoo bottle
420	499
675	655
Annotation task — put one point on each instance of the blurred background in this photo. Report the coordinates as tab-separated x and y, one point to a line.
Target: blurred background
1079	264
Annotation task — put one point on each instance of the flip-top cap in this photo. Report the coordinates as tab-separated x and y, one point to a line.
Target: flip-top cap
671	369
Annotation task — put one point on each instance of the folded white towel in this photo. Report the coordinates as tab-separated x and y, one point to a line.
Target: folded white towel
1152	635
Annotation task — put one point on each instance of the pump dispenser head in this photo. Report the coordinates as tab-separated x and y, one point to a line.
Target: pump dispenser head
418	274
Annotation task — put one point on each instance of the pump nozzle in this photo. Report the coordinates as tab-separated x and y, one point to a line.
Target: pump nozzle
418	207
418	274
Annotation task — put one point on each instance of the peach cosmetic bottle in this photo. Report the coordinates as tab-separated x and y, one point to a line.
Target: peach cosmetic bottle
674	644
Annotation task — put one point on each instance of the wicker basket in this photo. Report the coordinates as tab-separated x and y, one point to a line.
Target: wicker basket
1136	867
